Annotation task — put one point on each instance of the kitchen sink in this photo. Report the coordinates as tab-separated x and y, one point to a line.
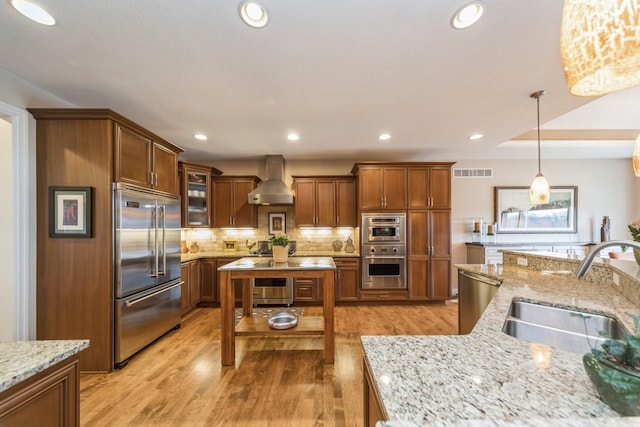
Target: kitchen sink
570	330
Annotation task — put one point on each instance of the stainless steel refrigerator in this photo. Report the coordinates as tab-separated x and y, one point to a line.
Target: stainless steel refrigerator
147	268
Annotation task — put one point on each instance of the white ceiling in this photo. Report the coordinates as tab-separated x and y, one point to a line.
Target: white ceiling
337	72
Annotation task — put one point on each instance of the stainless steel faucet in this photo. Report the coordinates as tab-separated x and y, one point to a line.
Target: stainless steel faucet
588	259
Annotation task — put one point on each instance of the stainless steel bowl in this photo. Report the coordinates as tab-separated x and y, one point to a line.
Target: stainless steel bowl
282	320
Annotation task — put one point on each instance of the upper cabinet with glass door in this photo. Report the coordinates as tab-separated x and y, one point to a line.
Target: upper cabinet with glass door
196	194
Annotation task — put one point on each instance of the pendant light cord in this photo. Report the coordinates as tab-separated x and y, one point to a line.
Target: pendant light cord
538	103
537	96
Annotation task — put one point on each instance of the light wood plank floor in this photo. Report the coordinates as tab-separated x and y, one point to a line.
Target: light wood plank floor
178	381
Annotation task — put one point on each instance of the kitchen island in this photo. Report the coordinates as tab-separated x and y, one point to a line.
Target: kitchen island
488	377
322	268
39	382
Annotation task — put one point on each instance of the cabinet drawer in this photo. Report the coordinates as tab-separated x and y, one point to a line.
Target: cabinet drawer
383	295
304	293
347	262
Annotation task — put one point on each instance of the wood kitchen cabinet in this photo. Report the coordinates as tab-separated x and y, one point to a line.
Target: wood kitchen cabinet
325	201
48	398
231	207
381	187
429	187
195	189
143	161
208	282
307	290
347	284
190	296
429	254
88	148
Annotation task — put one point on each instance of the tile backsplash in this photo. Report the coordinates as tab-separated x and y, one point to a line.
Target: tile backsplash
307	239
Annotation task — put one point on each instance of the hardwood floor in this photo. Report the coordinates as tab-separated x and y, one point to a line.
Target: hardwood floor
178	381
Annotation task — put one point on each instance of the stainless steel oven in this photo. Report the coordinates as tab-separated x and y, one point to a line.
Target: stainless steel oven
383	228
384	267
273	291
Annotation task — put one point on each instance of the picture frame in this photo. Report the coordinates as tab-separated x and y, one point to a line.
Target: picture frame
70	211
230	245
277	223
514	212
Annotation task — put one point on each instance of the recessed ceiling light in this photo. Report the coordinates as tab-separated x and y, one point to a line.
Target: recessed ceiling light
475	136
293	137
384	137
253	14
33	12
467	15
200	136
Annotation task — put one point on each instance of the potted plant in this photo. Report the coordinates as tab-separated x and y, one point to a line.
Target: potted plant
614	369
634	229
279	246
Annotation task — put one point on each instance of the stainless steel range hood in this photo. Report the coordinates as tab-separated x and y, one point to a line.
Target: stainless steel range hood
273	190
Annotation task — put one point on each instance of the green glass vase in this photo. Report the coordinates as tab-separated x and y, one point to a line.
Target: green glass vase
619	388
636	255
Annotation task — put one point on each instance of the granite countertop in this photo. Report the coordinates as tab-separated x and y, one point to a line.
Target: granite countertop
293	263
22	359
515	244
490	378
239	254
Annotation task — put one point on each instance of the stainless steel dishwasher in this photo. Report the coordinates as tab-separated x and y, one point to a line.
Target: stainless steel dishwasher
475	292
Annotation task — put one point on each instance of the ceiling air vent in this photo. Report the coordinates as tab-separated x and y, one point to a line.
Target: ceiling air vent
473	172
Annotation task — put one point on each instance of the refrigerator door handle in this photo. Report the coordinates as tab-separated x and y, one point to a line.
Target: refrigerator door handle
162	272
154	225
132	302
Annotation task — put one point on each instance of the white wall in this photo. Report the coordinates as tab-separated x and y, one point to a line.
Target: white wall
605	187
7	227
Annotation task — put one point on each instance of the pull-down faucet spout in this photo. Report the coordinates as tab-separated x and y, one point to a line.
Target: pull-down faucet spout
588	259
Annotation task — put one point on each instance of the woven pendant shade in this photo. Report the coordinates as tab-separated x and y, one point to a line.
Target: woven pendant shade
600	44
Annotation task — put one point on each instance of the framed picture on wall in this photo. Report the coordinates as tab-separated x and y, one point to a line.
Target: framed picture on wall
514	212
70	211
277	223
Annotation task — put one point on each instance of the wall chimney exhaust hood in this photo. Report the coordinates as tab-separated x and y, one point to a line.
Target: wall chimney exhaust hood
273	190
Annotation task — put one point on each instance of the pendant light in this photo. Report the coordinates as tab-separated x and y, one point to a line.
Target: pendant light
539	193
599	45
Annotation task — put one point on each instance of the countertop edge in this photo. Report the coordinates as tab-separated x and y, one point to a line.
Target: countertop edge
21	360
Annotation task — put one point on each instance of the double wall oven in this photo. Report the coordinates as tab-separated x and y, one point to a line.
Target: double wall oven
384	253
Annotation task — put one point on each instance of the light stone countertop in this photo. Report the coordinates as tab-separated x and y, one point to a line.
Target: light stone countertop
22	359
488	378
293	263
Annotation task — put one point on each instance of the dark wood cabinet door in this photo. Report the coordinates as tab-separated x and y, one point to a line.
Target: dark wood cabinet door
348	279
395	188
244	214
208	282
440	233
133	161
326	203
418	275
370	190
165	169
305	202
222	203
418	188
194	286
440	188
237	285
186	285
346	203
440	288
418	233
